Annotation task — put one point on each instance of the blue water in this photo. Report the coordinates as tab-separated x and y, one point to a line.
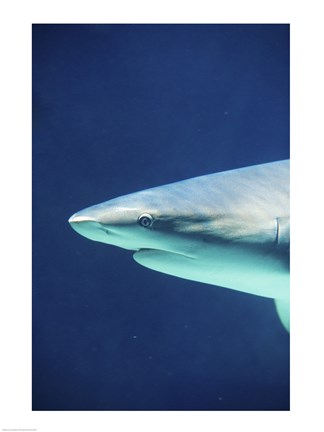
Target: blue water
120	108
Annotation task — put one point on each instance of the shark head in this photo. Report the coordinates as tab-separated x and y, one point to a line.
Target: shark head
136	222
180	217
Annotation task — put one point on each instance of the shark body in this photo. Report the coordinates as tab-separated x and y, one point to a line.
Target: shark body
229	229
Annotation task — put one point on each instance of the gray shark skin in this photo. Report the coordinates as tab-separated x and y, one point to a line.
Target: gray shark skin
229	229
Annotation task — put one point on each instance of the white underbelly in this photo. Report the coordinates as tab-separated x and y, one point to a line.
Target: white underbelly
241	269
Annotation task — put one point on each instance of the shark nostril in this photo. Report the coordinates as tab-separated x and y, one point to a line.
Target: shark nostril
105	230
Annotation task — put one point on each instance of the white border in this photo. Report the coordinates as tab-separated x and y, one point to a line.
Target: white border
307	196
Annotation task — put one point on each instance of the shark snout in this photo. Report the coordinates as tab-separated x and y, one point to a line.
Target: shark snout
75	219
86	226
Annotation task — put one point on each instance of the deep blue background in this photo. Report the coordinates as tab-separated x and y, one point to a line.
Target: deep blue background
119	108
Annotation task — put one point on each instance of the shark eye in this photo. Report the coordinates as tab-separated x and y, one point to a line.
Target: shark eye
145	220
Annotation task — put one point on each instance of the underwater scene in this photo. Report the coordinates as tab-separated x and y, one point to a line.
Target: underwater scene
122	108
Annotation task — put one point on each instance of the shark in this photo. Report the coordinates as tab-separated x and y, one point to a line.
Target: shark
230	229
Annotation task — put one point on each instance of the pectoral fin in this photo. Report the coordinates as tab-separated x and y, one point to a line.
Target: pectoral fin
283	309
